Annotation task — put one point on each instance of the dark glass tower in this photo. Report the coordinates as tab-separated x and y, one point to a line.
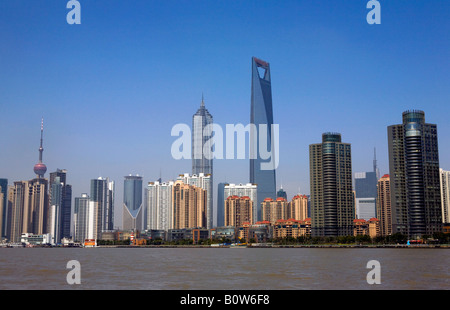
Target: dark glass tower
220	204
282	193
414	172
102	199
3	216
65	200
261	114
332	202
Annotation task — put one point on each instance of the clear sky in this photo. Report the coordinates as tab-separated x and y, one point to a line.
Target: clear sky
111	89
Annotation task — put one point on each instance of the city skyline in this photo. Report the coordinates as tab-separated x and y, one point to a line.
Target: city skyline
101	99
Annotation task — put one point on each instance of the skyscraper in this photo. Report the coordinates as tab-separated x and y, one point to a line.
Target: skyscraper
159	205
55	210
332	202
29	208
201	134
9	211
238	210
274	210
220	204
202	155
81	218
366	192
38	206
414	173
298	207
282	193
203	181
242	190
2	207
19	210
384	213
132	203
365	195
189	206
445	195
101	206
3	210
65	202
261	116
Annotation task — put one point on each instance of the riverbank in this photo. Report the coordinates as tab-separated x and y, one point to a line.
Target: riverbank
277	246
256	246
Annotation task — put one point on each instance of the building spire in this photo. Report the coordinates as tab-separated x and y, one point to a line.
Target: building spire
40	168
203	101
41	149
375	166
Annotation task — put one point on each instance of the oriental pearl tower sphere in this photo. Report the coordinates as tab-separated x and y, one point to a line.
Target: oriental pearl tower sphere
40	169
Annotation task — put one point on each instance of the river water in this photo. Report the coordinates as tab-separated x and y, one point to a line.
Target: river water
224	268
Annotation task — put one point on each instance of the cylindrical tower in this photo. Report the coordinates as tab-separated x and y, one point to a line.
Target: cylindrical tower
413	122
329	183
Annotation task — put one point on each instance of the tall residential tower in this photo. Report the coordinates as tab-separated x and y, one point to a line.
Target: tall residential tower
384	213
332	202
414	173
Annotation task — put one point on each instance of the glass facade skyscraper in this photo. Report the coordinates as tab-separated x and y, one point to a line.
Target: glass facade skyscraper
414	173
366	194
65	201
132	203
261	114
202	161
282	193
201	134
101	206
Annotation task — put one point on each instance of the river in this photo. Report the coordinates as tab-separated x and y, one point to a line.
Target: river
224	268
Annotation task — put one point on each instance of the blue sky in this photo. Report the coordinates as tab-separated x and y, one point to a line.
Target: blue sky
111	89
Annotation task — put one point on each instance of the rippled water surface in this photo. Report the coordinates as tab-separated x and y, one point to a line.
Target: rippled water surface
223	268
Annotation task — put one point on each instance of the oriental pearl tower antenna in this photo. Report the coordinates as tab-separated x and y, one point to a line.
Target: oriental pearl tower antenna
40	168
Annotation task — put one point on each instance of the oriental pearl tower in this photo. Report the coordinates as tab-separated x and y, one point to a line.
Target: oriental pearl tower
40	168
